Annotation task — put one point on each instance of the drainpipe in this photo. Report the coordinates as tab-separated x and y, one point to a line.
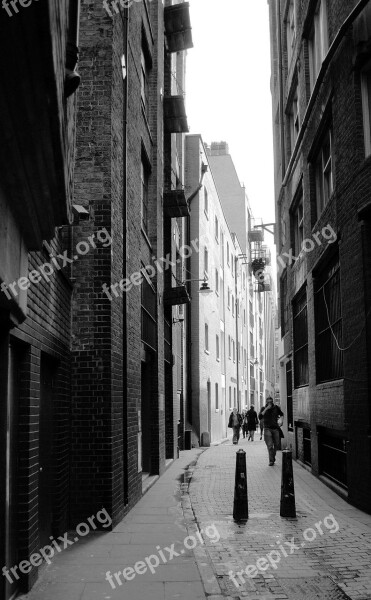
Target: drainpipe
236	317
125	249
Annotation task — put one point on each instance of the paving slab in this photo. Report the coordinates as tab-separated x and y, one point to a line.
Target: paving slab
155	525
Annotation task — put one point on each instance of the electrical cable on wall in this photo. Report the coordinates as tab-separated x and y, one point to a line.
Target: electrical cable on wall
332	331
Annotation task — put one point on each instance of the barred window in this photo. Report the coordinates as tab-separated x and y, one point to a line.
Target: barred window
328	319
300	317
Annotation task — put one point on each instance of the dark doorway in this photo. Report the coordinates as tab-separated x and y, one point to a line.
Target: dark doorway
14	363
169	411
46	428
145	417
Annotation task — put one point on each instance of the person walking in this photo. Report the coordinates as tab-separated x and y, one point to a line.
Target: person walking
244	423
270	415
235	422
261	425
252	422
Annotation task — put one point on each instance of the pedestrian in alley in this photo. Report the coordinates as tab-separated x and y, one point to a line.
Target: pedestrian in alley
235	422
252	422
244	423
261	425
270	415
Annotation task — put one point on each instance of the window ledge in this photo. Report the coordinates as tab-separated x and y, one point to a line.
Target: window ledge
207	352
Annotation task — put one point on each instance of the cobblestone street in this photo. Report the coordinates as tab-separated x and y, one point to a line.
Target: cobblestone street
328	562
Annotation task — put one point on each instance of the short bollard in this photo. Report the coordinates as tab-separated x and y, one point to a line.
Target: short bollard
240	504
287	508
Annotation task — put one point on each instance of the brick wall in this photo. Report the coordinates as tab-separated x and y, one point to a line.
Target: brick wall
339	405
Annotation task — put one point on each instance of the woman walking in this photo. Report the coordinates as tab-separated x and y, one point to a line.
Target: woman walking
252	422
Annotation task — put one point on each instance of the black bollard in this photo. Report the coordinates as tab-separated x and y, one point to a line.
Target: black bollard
240	504
287	508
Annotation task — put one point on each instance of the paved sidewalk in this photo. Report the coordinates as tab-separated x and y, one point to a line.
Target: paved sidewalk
153	525
331	565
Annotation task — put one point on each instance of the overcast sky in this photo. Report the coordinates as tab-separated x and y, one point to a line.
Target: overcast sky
228	90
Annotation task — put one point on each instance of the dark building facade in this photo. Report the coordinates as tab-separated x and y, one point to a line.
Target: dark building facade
129	163
92	366
321	117
36	158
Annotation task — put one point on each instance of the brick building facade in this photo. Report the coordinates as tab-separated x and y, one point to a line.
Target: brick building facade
125	349
37	150
321	116
91	363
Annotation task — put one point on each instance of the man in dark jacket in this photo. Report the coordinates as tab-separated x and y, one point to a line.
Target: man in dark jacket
235	422
270	414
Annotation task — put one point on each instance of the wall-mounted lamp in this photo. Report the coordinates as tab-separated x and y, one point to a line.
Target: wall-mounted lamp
181	320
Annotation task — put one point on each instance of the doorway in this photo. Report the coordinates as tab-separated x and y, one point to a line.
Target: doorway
14	378
46	431
144	417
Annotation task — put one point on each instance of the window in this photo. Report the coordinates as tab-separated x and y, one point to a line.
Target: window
244	317
234	397
217	347
232	264
216	282
230	397
229	299
229	347
318	41
298	227
238	352
228	254
284	304
206	337
216	229
232	305
206	202
222	352
299	309
294	119
144	177
366	106
290	30
216	396
252	353
206	261
323	172
222	249
234	350
144	74
328	319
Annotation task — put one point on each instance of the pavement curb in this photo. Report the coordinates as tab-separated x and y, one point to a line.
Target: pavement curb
203	562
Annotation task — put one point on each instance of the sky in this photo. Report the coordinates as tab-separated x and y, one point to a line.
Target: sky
228	91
